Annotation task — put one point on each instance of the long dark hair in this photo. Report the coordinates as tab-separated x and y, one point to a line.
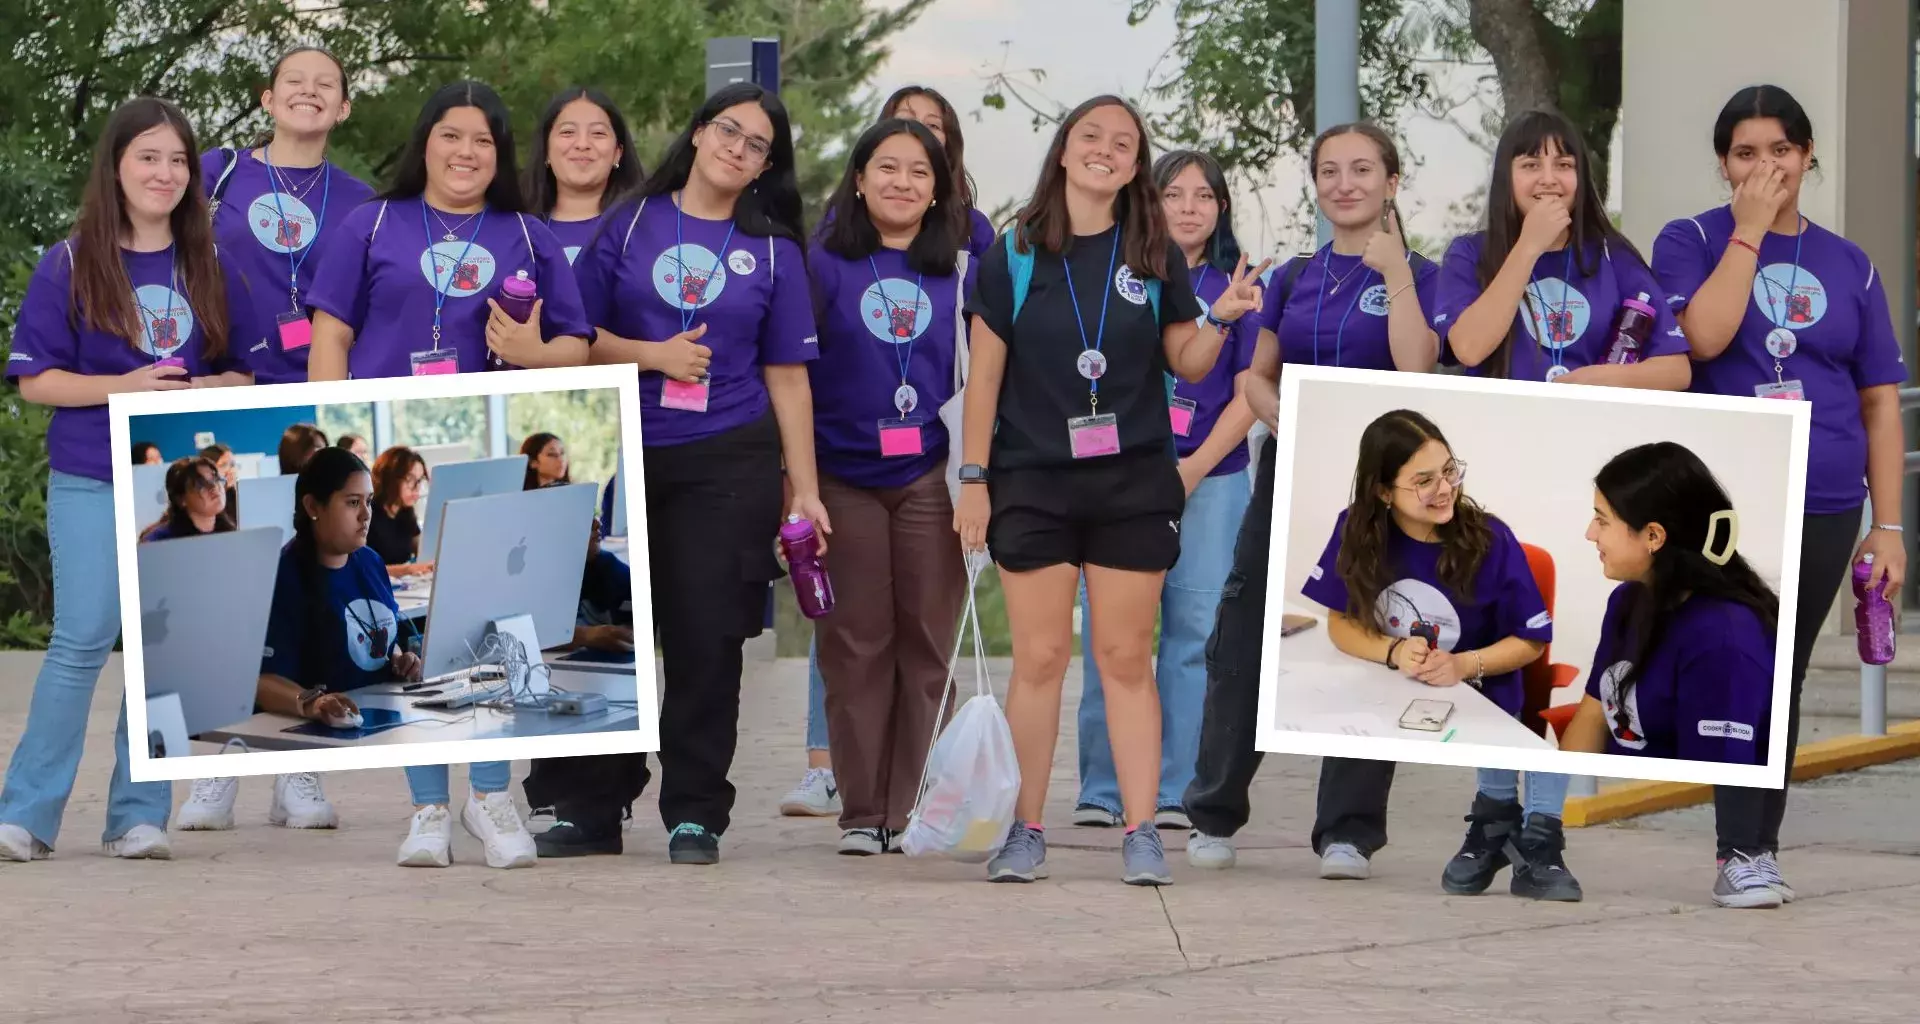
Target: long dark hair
1223	247
410	174
956	144
1764	101
770	206
140	450
1666	483
102	295
1385	446
848	230
390	471
297	445
1136	209
1529	134
531	448
542	190
182	476
1389	155
323	476
273	79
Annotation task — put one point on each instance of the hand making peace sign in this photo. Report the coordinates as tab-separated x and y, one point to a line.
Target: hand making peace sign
1243	292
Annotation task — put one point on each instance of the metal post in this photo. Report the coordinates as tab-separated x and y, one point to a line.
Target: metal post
383	438
497	427
1336	74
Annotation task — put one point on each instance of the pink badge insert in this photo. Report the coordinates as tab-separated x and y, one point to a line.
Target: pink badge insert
684	395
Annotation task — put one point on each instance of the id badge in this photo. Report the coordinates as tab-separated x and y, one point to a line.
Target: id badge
436	362
1789	390
901	437
685	395
296	331
1181	411
1091	437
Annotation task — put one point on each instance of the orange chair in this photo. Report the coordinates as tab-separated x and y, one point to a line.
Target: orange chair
1543	677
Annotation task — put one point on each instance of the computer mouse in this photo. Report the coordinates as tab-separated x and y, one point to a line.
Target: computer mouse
346	720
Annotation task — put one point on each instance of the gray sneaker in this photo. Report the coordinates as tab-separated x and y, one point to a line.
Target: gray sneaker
1344	862
1145	858
1023	858
1769	867
1211	852
1742	885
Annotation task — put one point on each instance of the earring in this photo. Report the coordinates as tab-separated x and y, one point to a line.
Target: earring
933	204
857	194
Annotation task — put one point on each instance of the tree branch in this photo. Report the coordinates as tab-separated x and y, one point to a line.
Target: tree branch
198	31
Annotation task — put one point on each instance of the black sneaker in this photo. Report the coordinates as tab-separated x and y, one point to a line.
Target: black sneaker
1490	824
1538	871
566	839
692	844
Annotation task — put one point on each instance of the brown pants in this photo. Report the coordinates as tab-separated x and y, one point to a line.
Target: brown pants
899	585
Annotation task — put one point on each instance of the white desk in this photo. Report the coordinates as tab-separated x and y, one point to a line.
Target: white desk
1321	690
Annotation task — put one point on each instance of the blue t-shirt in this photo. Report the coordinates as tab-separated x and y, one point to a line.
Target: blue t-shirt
606	592
363	623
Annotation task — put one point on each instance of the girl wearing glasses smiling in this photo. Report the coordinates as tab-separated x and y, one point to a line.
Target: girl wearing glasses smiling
196	502
1418	577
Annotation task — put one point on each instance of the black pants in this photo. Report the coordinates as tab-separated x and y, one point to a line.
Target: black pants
713	509
1748	820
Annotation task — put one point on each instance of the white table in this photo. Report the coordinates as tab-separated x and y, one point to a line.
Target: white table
1321	690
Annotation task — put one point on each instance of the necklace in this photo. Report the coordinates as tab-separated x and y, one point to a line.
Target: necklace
450	235
1327	268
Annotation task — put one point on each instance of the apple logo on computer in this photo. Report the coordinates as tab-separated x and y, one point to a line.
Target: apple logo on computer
517	558
153	625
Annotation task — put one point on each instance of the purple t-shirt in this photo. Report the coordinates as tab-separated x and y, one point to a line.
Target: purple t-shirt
1568	317
981	235
641	282
1705	692
279	232
574	235
1505	600
1336	312
1844	337
51	335
381	279
1214	392
864	342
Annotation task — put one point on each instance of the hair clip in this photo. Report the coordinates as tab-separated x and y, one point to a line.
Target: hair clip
1732	519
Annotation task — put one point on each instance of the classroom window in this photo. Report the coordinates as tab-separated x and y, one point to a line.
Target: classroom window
587	421
431	421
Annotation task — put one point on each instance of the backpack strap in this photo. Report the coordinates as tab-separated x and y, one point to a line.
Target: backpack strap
220	185
961	355
1020	265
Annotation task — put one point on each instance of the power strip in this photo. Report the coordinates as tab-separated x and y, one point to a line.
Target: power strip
576	703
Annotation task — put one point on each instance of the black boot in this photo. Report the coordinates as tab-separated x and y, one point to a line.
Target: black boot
1538	871
1491	824
580	832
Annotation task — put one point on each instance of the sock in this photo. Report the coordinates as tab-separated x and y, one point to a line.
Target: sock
1036	826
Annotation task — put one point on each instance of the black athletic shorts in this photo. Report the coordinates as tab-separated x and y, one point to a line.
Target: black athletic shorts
1119	512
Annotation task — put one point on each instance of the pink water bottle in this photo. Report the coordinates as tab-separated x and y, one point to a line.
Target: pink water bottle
810	583
1630	335
516	300
1872	616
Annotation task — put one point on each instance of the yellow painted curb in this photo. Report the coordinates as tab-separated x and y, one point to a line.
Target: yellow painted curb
1827	757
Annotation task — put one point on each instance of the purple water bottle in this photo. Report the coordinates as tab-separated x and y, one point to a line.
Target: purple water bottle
1630	335
516	300
810	583
1872	616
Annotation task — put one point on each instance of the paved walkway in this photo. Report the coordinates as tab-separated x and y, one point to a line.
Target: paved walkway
262	924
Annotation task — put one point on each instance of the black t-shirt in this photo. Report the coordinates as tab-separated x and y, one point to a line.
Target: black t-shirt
391	537
1042	389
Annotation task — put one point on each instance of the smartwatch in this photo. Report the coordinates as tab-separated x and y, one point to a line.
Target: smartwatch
973	473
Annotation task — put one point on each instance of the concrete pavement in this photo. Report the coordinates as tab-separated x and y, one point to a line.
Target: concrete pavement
263	924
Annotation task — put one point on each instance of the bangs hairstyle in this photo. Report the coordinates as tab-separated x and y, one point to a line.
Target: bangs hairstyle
849	231
1761	102
956	144
1385	447
542	190
410	175
1666	483
102	296
770	206
390	472
1223	247
1532	134
1136	209
1389	155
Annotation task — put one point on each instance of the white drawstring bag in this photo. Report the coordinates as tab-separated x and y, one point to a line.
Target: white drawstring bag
972	778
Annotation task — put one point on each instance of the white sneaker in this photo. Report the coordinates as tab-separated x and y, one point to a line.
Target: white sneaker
429	842
209	807
17	844
540	820
298	802
815	797
496	823
142	842
1344	862
1205	851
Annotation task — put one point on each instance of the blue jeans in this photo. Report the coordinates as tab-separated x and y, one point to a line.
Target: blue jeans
86	621
1546	792
1187	606
429	781
816	700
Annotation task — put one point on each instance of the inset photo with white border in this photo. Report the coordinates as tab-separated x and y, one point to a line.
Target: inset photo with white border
383	573
1529	550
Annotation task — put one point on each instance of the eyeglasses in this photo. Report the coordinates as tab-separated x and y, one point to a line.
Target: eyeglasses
730	133
208	484
1426	485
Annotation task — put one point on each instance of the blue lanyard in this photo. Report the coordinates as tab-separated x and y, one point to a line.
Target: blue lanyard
679	249
1320	300
887	304
326	189
147	315
1106	296
1793	282
439	292
1544	325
